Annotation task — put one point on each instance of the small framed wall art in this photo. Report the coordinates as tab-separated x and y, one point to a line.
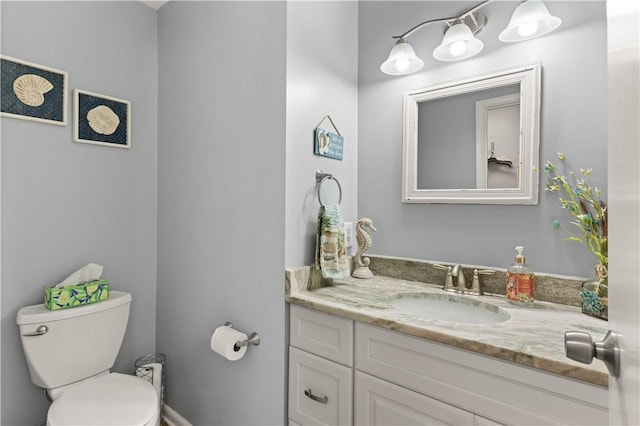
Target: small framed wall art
101	120
32	92
326	143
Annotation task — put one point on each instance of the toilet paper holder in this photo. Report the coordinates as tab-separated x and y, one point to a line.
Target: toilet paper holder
254	339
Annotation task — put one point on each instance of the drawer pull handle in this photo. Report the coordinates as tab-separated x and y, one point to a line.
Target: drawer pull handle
310	394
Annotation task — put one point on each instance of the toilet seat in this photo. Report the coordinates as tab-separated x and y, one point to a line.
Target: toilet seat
112	399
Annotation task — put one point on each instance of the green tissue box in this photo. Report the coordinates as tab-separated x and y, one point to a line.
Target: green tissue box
76	295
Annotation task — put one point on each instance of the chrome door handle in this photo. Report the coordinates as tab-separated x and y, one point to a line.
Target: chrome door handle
580	347
39	331
310	394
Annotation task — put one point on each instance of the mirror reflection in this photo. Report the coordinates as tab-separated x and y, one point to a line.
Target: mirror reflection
474	135
473	140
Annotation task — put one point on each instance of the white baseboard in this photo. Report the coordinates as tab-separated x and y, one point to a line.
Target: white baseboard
172	418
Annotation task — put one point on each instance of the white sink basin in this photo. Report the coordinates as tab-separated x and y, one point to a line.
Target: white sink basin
450	308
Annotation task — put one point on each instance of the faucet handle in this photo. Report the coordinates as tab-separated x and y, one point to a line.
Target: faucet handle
448	281
476	290
439	266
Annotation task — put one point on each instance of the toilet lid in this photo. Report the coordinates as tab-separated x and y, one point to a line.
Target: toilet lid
112	399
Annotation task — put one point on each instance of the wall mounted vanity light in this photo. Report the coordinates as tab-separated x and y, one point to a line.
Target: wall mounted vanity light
402	60
459	41
529	20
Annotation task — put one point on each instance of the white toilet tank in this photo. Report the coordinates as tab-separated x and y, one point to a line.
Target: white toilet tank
77	343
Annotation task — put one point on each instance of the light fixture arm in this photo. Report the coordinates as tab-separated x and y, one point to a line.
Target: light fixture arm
417	27
447	20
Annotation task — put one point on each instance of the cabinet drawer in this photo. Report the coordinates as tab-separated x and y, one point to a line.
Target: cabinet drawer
482	385
378	402
320	391
322	334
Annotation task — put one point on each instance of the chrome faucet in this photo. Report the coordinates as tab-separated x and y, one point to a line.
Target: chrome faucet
458	272
461	287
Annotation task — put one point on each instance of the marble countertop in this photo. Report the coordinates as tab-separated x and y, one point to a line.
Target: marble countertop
532	337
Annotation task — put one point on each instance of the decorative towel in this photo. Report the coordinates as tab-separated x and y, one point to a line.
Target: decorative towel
331	249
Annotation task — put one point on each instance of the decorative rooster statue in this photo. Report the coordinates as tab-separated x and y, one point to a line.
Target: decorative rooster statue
364	242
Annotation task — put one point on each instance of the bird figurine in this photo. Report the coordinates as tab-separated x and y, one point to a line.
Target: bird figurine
364	242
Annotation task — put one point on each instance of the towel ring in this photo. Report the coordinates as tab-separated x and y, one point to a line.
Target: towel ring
321	177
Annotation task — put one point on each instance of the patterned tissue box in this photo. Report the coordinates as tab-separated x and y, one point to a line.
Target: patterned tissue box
76	295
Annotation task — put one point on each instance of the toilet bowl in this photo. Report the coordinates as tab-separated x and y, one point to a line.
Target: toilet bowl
70	353
109	400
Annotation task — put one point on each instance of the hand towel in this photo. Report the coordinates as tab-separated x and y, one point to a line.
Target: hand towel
331	249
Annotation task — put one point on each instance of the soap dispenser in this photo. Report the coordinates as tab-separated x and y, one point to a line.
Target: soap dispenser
520	281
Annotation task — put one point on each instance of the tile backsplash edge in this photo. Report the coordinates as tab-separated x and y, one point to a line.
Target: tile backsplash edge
560	289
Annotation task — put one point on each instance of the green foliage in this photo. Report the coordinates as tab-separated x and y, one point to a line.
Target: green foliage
584	203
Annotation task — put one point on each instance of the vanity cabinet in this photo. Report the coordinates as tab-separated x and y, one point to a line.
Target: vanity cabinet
373	376
494	390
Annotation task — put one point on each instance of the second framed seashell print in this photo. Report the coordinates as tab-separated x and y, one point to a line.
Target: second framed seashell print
101	120
32	92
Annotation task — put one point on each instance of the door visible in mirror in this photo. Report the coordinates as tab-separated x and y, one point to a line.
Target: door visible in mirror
498	141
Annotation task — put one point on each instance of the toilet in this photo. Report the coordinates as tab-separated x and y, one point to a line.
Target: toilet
70	352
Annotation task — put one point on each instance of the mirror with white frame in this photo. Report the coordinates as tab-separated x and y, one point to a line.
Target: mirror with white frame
473	141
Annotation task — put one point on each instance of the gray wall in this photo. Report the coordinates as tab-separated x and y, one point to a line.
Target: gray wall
322	72
65	204
221	206
573	121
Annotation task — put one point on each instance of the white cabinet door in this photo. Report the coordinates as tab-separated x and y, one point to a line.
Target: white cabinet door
482	385
320	391
378	402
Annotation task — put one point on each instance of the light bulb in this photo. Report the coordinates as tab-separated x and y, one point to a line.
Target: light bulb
402	64
458	48
528	28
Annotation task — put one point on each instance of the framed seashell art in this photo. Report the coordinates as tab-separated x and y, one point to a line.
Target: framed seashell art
101	120
32	92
